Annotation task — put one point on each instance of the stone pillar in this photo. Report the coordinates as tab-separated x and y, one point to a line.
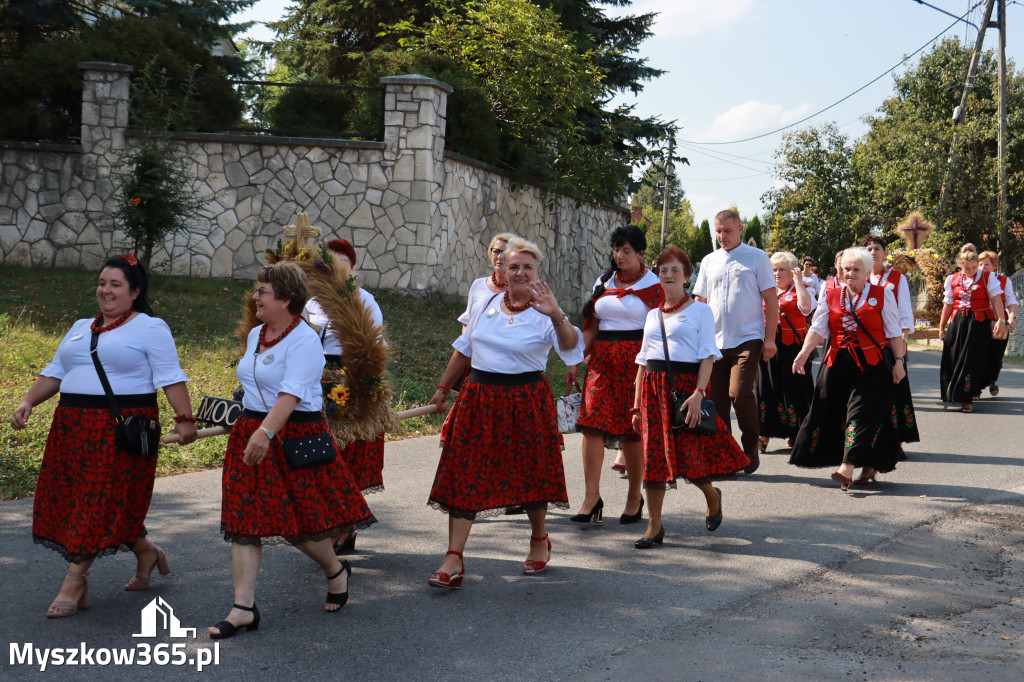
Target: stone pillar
414	127
105	92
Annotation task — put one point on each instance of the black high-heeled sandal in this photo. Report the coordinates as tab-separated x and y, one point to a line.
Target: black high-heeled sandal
340	598
229	629
349	545
595	515
715	520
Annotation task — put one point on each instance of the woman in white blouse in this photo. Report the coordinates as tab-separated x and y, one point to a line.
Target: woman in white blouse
783	398
262	495
849	422
501	445
671	454
92	497
484	288
988	260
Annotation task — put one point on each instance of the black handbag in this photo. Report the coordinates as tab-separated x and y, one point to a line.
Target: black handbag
888	357
134	434
303	451
708	423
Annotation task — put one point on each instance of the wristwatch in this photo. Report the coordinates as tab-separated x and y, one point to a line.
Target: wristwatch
270	434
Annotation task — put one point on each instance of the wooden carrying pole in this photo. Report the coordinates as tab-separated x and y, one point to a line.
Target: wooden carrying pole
221	430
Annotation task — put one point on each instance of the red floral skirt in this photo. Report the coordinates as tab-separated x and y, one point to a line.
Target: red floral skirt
609	390
500	448
670	454
272	499
91	497
365	461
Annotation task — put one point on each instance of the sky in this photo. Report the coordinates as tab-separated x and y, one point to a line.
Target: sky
736	69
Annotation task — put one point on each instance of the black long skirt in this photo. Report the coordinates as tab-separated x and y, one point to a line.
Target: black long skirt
997	349
783	398
966	354
849	419
903	417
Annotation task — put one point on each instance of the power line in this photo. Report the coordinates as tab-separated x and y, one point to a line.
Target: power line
729	161
834	104
744	177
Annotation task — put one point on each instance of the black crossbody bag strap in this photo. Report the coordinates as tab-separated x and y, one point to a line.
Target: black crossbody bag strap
103	377
793	327
668	362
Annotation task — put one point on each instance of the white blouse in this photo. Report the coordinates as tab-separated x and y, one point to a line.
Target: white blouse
479	294
294	365
138	357
691	335
513	344
315	314
1011	298
626	313
890	315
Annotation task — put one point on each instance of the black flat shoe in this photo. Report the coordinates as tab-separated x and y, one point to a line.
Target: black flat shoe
713	522
595	515
646	543
229	629
341	598
633	518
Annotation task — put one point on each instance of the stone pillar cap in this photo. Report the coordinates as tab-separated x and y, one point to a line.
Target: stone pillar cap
106	66
416	79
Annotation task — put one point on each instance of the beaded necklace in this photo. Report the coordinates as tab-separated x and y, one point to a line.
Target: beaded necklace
97	329
263	335
515	308
630	280
494	281
677	306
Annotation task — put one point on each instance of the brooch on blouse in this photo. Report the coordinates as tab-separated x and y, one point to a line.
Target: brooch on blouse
269	358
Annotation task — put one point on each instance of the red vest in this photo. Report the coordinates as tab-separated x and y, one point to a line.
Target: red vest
870	315
793	317
830	284
979	302
891	281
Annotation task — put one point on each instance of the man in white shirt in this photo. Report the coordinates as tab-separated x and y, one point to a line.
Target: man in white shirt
738	283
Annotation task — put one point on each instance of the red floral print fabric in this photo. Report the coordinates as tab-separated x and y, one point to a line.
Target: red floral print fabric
608	391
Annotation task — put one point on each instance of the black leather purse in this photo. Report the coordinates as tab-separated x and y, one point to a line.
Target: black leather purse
708	415
134	434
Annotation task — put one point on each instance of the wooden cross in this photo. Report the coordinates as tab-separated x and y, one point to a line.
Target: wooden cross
916	230
302	231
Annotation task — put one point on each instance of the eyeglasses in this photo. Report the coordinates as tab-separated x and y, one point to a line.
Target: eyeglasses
497	252
264	292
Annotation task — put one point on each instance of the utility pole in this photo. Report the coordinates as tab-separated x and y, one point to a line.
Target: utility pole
960	111
664	193
1003	192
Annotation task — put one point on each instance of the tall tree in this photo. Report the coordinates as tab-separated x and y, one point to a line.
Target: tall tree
814	206
903	157
752	230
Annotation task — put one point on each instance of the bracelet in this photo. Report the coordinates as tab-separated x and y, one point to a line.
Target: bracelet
445	390
701	391
564	318
634	410
182	418
270	434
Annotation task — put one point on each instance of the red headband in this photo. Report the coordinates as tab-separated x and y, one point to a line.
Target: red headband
130	259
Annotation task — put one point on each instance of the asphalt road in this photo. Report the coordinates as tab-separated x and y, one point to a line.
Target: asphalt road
919	577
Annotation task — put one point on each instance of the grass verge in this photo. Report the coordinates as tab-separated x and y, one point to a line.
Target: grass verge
38	306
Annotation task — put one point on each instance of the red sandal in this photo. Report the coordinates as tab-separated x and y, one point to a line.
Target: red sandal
843	481
531	567
452	581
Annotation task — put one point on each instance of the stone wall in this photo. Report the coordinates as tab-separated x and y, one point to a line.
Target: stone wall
420	218
1015	343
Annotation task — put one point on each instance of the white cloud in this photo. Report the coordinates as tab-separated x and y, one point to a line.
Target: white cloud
692	17
705	206
748	119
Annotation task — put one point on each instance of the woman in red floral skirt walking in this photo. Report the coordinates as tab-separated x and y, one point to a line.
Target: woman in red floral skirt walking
263	494
671	454
501	445
92	497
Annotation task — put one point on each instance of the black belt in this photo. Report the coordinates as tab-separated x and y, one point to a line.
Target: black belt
677	367
621	335
478	376
296	417
89	401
